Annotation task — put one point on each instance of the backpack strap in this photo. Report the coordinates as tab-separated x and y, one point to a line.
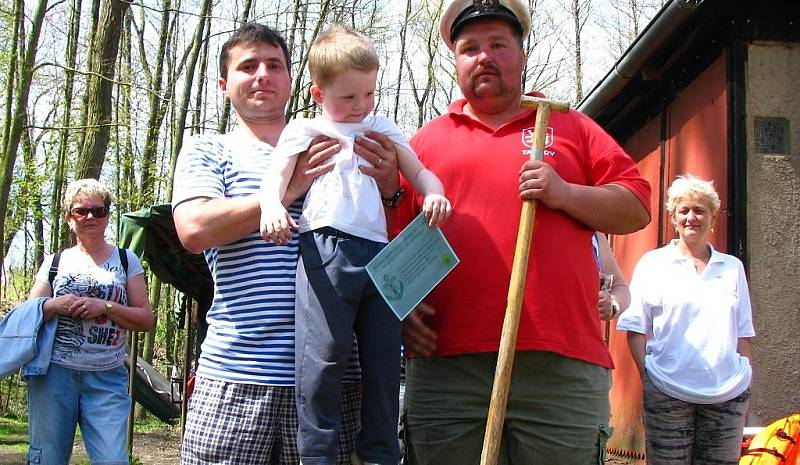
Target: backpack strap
123	259
54	269
782	435
764	450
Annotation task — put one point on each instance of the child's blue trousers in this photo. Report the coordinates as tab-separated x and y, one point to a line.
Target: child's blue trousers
335	298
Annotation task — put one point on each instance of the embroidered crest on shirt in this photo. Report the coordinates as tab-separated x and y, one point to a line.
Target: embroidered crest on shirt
527	141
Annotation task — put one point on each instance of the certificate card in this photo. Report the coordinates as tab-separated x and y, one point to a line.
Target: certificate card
410	266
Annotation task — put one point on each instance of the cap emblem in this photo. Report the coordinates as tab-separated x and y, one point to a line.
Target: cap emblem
486	5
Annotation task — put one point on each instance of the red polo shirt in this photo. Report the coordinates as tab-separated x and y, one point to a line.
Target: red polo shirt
479	167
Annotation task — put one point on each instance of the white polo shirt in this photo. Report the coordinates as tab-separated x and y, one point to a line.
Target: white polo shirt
692	323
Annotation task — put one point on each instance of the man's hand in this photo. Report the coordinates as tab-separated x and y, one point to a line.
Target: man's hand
539	181
609	208
604	306
317	160
380	151
418	336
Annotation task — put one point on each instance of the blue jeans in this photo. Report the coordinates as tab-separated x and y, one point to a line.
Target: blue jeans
98	401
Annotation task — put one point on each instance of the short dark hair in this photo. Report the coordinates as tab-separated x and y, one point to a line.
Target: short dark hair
252	33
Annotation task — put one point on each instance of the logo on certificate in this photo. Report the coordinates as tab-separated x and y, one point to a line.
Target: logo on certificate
392	288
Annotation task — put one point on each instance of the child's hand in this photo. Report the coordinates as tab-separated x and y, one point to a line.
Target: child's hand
276	224
436	209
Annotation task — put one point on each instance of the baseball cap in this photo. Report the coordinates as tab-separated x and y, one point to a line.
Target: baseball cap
461	12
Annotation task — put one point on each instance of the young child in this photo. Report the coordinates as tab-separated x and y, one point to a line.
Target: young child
342	227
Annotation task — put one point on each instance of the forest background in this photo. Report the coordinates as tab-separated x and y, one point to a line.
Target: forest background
110	89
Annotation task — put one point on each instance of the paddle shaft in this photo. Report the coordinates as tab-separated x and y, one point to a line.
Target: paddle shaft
516	288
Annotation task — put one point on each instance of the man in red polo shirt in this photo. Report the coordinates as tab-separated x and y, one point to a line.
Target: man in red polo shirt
558	408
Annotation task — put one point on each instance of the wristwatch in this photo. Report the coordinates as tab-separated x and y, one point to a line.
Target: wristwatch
615	311
109	307
394	200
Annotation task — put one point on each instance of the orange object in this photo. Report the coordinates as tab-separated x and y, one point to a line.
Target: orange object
777	444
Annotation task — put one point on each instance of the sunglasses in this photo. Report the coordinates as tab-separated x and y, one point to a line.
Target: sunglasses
81	212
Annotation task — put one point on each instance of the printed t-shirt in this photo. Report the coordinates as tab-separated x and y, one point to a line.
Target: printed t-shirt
98	344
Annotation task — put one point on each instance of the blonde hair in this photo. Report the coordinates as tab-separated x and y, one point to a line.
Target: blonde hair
337	50
85	187
687	185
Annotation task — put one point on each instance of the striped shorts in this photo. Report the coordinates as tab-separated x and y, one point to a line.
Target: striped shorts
248	424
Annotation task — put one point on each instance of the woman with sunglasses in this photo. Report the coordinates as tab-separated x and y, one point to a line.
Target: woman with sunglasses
96	301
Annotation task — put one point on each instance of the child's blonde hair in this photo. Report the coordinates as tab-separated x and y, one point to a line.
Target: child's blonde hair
337	50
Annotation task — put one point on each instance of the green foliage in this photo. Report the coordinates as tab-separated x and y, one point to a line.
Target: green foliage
6	23
13	434
13	398
19	282
148	423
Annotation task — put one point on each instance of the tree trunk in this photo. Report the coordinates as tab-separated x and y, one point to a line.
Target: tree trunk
579	11
125	164
423	95
177	138
169	327
58	229
224	119
30	190
101	81
297	88
578	67
11	143
94	14
11	72
198	115
403	31
155	301
158	108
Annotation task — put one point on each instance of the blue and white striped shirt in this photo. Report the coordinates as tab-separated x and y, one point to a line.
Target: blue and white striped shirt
250	335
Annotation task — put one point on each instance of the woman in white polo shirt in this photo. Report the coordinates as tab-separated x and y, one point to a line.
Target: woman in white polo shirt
689	327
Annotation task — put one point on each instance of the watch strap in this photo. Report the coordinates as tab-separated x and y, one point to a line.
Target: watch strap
394	200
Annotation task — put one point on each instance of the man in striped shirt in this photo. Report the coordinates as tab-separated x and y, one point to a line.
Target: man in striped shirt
243	409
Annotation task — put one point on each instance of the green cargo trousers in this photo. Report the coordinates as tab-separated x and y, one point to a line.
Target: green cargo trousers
558	410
